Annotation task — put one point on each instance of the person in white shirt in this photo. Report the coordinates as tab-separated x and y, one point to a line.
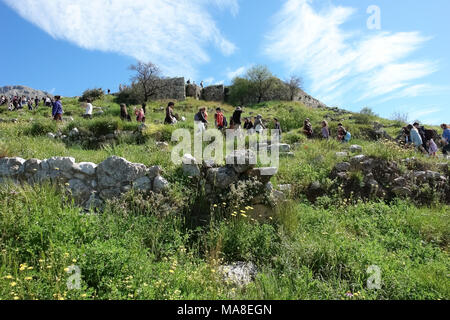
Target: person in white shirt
89	109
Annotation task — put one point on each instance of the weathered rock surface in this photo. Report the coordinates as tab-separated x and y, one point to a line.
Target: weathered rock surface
88	183
240	273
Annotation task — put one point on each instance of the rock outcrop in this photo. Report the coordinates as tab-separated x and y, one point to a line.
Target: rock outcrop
23	91
367	177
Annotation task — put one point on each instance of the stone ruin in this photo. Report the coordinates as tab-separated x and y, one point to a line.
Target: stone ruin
384	179
89	184
210	93
240	168
171	88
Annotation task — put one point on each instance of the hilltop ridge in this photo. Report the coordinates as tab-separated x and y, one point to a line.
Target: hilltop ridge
19	90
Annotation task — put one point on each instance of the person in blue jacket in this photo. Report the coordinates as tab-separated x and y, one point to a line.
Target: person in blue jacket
57	110
445	139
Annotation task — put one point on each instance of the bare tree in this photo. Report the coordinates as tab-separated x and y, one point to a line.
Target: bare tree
148	77
294	84
400	117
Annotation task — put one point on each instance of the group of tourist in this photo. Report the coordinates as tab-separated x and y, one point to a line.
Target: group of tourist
343	135
252	124
138	112
16	102
423	139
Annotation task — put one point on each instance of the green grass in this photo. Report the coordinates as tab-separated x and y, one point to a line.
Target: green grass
150	248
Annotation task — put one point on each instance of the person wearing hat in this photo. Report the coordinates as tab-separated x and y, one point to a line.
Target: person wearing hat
57	110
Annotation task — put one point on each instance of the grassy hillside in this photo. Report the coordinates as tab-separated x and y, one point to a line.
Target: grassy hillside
148	248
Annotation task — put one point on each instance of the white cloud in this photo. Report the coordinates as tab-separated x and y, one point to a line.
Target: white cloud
231	74
171	33
340	62
232	5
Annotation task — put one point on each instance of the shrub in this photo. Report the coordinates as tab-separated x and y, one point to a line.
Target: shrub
361	118
103	126
41	128
92	94
159	132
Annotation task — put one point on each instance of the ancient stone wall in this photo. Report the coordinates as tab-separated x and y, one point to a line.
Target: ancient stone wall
193	91
89	184
214	93
172	88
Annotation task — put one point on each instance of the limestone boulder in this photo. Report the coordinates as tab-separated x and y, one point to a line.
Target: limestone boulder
160	184
11	167
190	166
222	177
116	170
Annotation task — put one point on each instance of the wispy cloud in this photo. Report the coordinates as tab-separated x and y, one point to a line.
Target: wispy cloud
174	34
339	62
231	74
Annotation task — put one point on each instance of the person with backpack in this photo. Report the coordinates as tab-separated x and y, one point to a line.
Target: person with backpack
220	119
57	109
36	102
343	134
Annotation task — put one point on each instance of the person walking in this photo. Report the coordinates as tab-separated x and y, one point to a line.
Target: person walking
170	117
140	115
325	130
89	109
445	139
200	121
237	118
307	129
278	126
124	113
259	125
36	102
219	119
432	148
57	109
416	139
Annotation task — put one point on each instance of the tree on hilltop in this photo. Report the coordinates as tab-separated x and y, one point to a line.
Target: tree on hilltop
294	84
262	80
147	78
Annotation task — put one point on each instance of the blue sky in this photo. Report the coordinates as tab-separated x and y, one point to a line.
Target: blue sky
67	46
